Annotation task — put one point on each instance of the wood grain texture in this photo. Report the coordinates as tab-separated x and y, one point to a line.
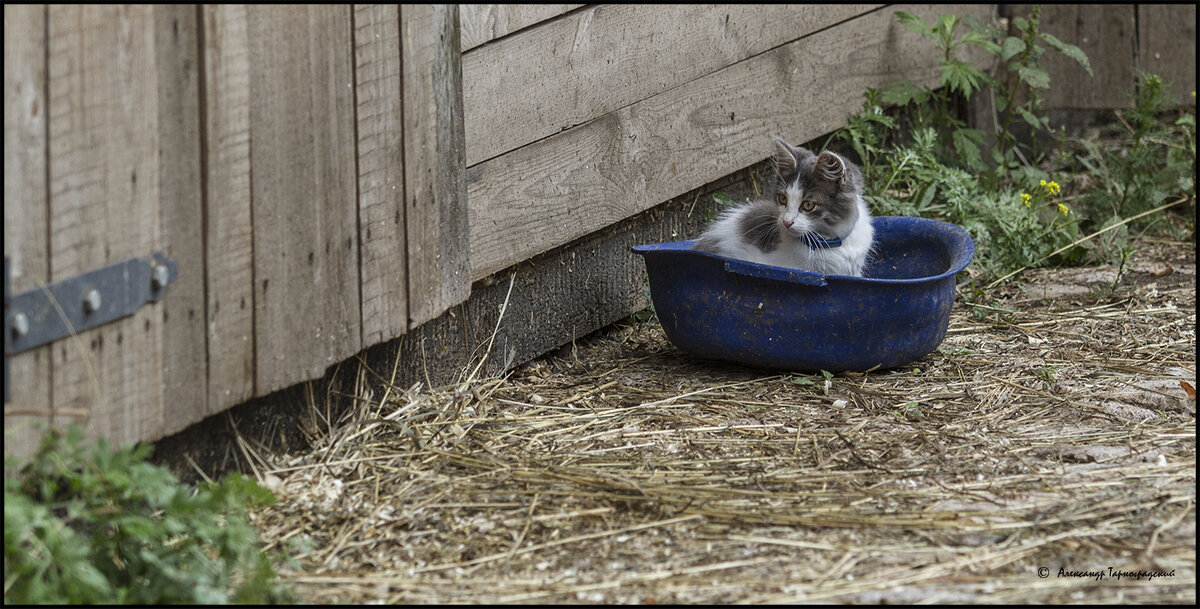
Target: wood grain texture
25	220
185	377
565	186
1107	34
606	57
1167	45
434	187
483	23
383	239
306	292
229	238
104	195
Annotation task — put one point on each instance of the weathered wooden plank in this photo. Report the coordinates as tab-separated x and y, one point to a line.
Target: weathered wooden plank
302	144
229	243
434	188
384	273
25	208
482	23
184	360
104	194
568	185
1167	45
1106	33
606	57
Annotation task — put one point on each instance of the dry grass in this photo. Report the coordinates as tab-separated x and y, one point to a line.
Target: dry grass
1050	431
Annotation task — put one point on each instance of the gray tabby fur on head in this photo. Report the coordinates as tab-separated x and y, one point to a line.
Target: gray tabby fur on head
816	219
832	184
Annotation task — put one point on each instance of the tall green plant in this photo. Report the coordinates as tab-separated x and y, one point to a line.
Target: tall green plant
1015	87
1015	210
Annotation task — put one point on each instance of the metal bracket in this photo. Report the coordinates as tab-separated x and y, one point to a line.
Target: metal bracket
43	315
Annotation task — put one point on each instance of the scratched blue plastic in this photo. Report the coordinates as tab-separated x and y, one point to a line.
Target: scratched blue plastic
767	316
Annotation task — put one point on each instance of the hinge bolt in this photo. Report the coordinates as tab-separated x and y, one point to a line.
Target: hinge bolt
91	301
159	276
20	325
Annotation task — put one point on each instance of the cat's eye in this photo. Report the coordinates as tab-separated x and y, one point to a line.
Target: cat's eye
808	205
781	198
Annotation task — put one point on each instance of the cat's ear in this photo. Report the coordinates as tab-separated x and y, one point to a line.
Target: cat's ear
786	157
830	167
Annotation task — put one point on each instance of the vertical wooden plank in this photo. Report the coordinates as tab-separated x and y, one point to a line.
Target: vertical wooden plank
104	193
229	241
384	274
184	349
1106	34
434	161
306	291
25	241
1167	45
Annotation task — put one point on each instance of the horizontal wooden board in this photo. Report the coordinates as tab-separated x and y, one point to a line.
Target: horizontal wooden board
483	23
596	60
565	186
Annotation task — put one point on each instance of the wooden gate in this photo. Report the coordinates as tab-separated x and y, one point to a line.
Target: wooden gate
301	164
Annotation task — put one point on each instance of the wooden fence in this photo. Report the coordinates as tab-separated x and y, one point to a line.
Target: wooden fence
1121	41
330	177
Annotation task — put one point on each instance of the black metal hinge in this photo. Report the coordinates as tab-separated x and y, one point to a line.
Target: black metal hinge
43	315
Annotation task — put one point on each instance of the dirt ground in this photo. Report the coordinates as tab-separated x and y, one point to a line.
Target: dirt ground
1045	453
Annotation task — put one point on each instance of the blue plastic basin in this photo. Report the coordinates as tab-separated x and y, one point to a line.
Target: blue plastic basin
721	308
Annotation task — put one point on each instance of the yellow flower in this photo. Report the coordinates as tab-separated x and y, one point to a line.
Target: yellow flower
1051	187
1025	198
1063	209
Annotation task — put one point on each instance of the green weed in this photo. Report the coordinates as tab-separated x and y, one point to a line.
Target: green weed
93	525
920	158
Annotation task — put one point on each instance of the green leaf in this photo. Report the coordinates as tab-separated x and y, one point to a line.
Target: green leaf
1011	47
967	143
1069	50
982	41
904	93
722	199
1029	117
914	23
1035	77
962	77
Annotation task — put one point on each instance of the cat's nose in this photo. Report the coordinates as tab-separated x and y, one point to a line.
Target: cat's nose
788	223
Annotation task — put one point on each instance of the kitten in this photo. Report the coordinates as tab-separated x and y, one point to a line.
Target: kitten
817	221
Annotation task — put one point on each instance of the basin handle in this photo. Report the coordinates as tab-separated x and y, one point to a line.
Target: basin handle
762	271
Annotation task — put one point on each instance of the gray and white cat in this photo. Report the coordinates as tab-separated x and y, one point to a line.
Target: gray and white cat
817	220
